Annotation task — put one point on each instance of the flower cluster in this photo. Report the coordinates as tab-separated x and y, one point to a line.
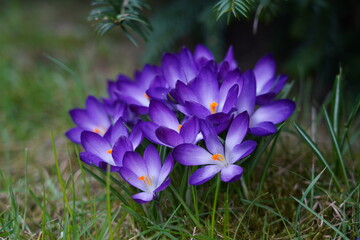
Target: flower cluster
186	103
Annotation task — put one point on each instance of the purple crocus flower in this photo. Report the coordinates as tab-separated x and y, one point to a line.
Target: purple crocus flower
110	149
264	118
165	128
217	157
146	173
267	84
93	118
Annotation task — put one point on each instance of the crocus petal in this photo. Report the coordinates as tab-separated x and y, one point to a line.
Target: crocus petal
148	129
187	64
171	70
143	197
117	131
263	129
264	70
211	139
204	174
230	99
139	110
231	78
237	131
97	112
168	136
229	58
241	150
90	158
184	92
247	97
202	55
135	163
74	134
197	109
275	112
165	169
265	98
94	143
81	118
162	115
136	135
157	92
190	155
152	161
279	83
206	87
122	145
132	178
164	185
231	173
190	129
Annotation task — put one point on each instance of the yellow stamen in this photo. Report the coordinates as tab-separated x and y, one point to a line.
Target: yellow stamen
146	96
179	127
145	179
218	157
109	151
213	106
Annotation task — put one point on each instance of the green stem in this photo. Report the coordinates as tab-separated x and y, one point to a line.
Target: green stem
214	206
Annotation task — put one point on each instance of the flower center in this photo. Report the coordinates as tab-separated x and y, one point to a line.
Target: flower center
146	96
213	106
145	179
179	127
109	151
99	130
218	157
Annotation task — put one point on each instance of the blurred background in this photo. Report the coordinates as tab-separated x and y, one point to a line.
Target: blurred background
51	57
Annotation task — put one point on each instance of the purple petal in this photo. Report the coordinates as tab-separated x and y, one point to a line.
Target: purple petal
148	129
90	159
189	130
164	185
187	64
135	163
230	80
241	150
152	161
265	98
122	146
204	174
139	110
231	99
97	112
206	87
196	109
132	178
264	70
81	118
117	131
166	169
231	173
143	197
229	58
263	129
162	115
190	155
211	139
74	134
168	136
279	83
94	143
237	131
275	112
202	55
136	135
184	92
171	70
247	97
157	92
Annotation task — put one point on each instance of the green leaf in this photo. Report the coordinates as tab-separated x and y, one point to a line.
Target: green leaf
235	7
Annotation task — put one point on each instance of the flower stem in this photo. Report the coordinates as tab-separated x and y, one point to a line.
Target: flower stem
157	203
214	206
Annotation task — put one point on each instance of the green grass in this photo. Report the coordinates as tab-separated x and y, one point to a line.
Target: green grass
301	184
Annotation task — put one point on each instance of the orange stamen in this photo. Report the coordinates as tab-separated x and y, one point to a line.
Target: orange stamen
141	178
145	179
179	127
109	151
218	157
96	130
213	106
146	96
